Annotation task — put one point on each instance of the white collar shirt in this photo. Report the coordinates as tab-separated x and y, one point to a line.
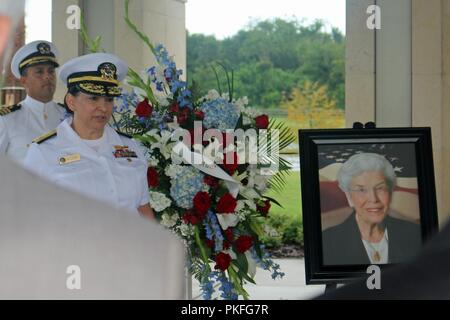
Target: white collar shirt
119	181
20	127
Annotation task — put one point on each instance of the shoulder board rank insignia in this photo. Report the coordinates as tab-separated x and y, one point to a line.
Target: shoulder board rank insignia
45	137
124	134
7	110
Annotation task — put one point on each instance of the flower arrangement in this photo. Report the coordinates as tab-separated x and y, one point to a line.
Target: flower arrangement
207	183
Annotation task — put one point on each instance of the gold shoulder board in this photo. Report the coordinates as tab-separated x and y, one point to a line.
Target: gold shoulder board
45	137
7	110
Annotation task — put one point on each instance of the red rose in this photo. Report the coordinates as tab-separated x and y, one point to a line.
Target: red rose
209	243
226	204
190	217
228	234
202	203
152	177
144	109
264	209
243	243
211	181
230	163
226	245
262	121
199	115
223	261
174	108
183	115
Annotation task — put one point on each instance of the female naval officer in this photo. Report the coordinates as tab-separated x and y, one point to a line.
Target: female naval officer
84	153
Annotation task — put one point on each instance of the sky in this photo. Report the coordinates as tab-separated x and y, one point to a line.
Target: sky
221	18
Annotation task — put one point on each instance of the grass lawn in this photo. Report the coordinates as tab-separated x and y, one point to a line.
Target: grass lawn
290	198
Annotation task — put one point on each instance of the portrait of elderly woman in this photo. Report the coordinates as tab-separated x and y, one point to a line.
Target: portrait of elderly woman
370	233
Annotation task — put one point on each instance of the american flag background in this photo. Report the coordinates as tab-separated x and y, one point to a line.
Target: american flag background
334	205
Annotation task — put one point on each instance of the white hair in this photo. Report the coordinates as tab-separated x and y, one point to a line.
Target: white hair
361	162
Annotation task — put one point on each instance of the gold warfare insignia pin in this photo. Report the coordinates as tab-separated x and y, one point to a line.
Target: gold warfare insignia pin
69	159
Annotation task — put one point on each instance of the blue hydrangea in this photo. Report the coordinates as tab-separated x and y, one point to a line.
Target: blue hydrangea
219	114
185	185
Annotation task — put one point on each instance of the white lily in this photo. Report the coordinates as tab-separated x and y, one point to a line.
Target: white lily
162	142
227	220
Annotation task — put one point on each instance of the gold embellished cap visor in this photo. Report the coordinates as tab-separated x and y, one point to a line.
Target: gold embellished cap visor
102	82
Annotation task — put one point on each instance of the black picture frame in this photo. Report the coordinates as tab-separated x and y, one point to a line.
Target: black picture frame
313	147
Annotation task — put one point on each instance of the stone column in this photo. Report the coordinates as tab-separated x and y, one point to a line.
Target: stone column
359	64
163	21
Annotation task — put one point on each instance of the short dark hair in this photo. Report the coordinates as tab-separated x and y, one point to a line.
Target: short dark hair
73	90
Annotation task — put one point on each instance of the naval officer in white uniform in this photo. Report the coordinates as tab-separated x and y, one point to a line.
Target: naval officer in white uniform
34	64
84	153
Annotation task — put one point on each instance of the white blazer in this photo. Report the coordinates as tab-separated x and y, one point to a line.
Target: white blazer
20	127
105	175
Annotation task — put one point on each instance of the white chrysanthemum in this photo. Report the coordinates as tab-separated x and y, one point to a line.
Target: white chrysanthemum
186	230
169	220
159	201
212	95
172	170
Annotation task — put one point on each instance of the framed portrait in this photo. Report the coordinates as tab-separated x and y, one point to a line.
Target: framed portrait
368	197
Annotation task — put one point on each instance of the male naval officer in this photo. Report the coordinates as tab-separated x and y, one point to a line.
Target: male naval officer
34	64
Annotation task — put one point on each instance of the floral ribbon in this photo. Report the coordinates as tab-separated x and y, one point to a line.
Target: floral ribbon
206	165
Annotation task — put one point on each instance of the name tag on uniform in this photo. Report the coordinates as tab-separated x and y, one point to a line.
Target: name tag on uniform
69	159
124	152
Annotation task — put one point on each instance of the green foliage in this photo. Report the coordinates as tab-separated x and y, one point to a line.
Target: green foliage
270	58
283	229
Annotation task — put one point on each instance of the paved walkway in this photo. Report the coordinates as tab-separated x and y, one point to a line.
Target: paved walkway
291	287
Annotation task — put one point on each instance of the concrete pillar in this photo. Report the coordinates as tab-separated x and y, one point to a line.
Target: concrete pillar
427	85
393	64
359	64
163	21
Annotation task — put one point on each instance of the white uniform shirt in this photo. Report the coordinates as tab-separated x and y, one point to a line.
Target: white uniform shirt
20	127
119	181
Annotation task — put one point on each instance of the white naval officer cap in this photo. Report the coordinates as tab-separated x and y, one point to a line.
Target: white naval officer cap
33	53
95	73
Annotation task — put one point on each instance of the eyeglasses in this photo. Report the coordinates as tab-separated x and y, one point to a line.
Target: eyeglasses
363	191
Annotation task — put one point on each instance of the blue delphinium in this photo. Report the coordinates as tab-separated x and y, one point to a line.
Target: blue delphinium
219	114
185	185
227	288
267	264
214	231
172	76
